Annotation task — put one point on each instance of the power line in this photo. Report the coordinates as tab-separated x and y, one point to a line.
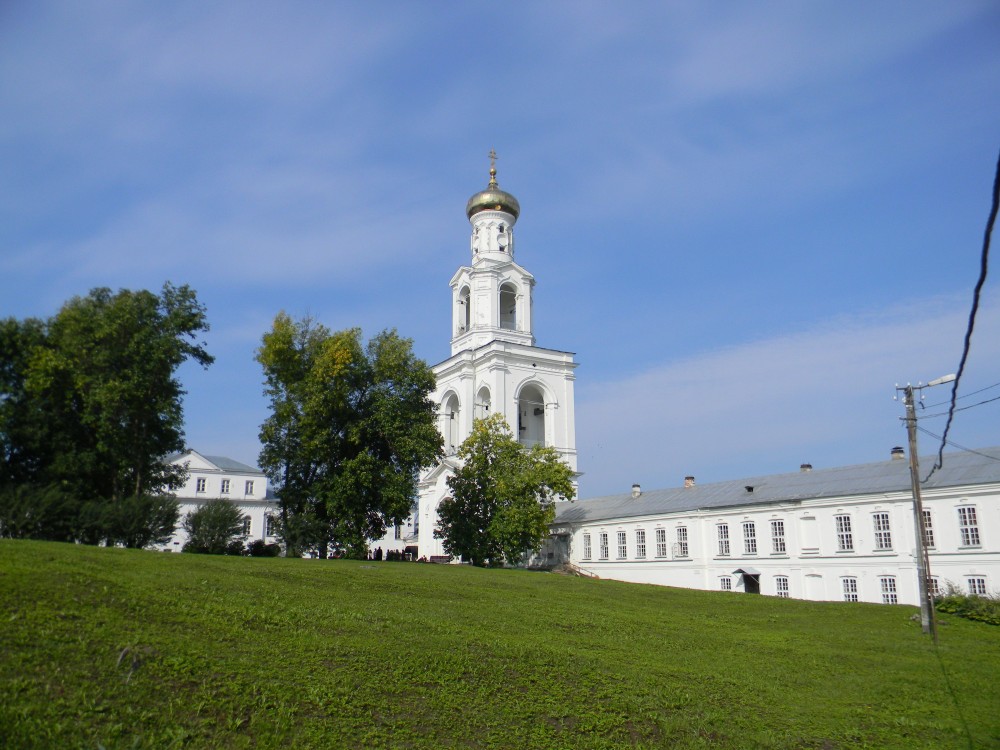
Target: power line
963	408
966	395
983	267
956	445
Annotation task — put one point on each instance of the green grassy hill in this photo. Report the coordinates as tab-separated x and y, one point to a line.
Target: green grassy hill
120	649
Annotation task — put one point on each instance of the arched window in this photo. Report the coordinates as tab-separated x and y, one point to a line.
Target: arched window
450	424
482	403
531	416
465	309
508	307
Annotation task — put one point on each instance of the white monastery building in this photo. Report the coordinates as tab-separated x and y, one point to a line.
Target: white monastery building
210	477
495	365
833	534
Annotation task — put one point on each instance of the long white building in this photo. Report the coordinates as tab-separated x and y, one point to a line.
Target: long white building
829	534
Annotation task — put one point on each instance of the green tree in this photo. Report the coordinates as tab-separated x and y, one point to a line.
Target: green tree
90	405
351	427
502	495
215	528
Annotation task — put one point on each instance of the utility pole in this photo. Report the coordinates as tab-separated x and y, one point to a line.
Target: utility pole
927	622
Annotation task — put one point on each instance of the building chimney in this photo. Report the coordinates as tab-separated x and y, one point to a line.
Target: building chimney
805	467
689	481
897	453
636	490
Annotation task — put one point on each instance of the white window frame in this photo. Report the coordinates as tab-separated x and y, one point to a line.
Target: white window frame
225	487
883	530
661	542
683	550
887	584
247	525
845	538
928	529
781	586
199	484
640	544
248	487
778	536
603	549
269	524
968	526
725	583
622	545
849	585
723	535
976	585
587	549
749	538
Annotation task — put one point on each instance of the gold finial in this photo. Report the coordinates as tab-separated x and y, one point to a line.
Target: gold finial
493	168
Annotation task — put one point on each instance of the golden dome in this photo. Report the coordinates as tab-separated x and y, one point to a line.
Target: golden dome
493	198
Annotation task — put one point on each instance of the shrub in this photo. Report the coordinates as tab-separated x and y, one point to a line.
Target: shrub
970	606
260	548
215	529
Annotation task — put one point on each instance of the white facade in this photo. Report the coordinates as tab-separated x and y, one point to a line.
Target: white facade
494	364
831	535
210	477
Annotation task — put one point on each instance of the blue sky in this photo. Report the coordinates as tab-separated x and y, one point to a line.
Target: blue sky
748	220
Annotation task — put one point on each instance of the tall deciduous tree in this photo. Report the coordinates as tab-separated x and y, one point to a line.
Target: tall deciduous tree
351	427
502	495
91	404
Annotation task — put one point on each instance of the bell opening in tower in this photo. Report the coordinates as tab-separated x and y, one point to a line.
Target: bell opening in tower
508	307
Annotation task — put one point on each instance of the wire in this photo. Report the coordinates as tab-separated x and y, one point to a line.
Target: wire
983	267
956	445
963	408
942	403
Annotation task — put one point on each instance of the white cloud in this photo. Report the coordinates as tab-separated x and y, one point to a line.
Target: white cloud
821	396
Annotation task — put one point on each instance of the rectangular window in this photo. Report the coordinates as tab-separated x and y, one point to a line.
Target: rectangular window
928	530
977	586
777	536
749	538
883	536
199	484
640	543
249	487
604	545
682	541
723	539
933	587
398	532
968	526
888	584
845	540
850	589
726	583
661	542
622	546
781	586
225	486
586	547
246	525
269	525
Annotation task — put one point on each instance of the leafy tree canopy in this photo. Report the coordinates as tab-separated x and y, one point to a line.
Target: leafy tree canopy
351	427
502	495
90	404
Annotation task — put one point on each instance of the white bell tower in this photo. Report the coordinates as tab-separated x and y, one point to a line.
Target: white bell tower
494	363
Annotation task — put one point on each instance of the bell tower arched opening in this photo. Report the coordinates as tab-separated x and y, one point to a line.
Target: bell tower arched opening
465	309
482	403
508	306
450	424
531	416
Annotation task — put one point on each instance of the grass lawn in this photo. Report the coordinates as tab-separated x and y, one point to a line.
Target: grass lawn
126	649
